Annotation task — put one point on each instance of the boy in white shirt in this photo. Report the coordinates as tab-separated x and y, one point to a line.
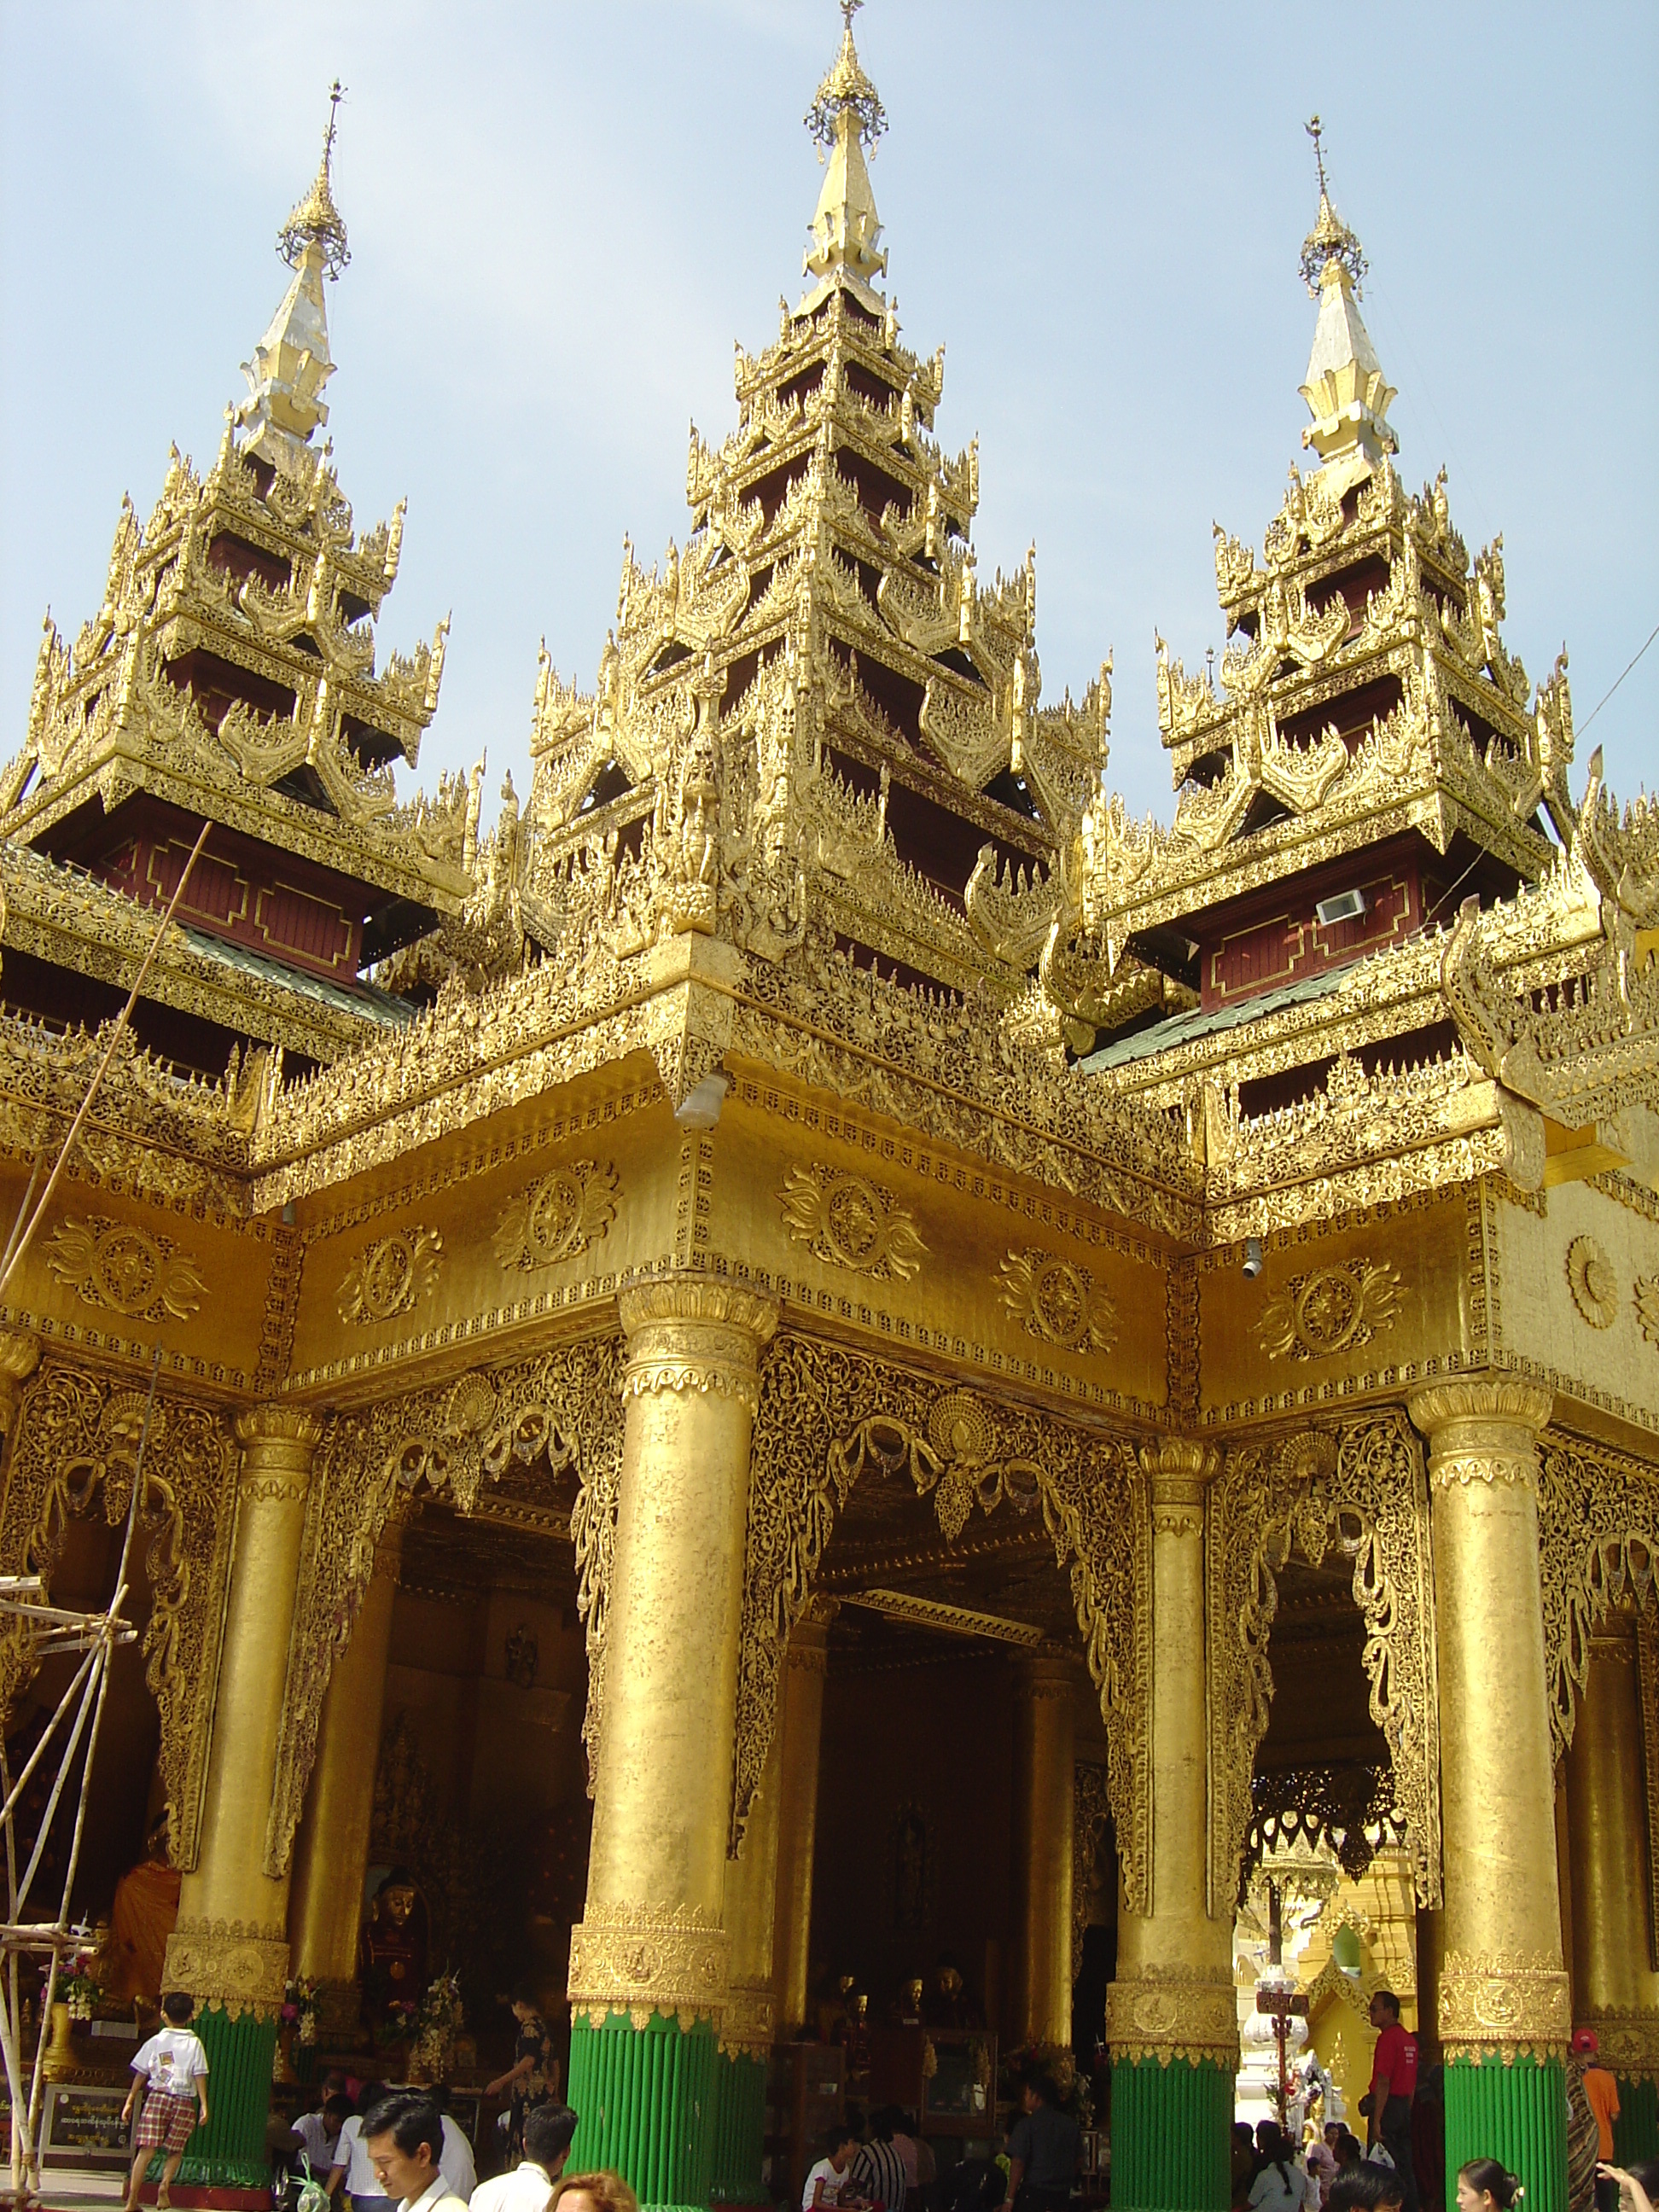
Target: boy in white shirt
830	2181
172	2069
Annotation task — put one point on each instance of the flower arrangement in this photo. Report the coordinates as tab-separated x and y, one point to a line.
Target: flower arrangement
437	2022
78	1986
299	2007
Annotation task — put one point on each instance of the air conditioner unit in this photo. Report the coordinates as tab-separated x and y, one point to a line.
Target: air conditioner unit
1347	906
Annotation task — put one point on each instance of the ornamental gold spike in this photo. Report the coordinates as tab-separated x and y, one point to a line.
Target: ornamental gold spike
292	362
1346	392
847	118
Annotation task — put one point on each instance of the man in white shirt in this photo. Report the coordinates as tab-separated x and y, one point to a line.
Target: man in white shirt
354	2166
548	2129
405	2135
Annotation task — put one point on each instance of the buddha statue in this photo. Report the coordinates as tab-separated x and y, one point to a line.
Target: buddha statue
391	1953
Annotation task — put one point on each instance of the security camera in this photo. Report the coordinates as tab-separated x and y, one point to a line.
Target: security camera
1253	1257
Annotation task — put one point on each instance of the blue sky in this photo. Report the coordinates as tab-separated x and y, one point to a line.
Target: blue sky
561	216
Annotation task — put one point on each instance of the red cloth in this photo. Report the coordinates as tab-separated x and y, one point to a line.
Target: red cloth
1396	2058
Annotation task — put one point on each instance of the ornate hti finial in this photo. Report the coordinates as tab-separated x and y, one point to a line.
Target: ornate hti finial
316	221
846	90
846	116
1330	240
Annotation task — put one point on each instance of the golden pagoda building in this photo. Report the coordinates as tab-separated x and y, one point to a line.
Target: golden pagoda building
819	1237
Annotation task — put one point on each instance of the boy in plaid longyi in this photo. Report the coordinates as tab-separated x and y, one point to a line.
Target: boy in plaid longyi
171	2070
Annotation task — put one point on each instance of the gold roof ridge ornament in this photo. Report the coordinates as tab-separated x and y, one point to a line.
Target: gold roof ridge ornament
292	362
846	119
1346	392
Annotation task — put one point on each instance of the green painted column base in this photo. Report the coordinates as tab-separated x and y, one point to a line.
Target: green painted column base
739	2129
1514	2110
1171	2125
230	2152
1635	2131
649	2102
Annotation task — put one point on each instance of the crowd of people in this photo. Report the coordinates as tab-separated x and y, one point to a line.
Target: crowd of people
397	2150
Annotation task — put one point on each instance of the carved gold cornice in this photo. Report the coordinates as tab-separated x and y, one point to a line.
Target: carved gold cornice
748	2025
1178	1474
1629	2041
241	1968
1501	2007
644	1960
1169	2013
692	1333
1482	1431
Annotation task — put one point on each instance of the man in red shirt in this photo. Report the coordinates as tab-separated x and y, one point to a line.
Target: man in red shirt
1387	2107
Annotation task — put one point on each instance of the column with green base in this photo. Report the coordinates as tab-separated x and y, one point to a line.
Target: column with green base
230	2152
229	1947
740	2139
1169	2132
1512	2108
1635	2131
647	2097
1171	2015
652	1961
1505	2006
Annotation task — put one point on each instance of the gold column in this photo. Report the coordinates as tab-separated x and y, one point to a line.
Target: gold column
800	1734
230	1943
1044	1795
331	1852
1503	1987
1174	1991
1615	1989
662	1797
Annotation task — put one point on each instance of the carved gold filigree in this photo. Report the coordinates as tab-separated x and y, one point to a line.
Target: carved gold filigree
1057	1301
1361	1491
1598	1537
239	1968
390	1276
74	1452
1493	2006
562	1407
1329	1310
557	1216
851	1222
645	1960
127	1269
1594	1284
1647	1307
1169	2013
827	1418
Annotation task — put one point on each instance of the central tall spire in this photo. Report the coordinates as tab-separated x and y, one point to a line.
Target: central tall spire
292	362
845	117
1346	392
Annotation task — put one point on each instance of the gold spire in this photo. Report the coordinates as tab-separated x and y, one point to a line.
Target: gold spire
845	117
292	362
315	221
1346	392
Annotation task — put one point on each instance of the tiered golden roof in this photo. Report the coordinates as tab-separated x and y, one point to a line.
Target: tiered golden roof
1365	691
815	715
229	675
